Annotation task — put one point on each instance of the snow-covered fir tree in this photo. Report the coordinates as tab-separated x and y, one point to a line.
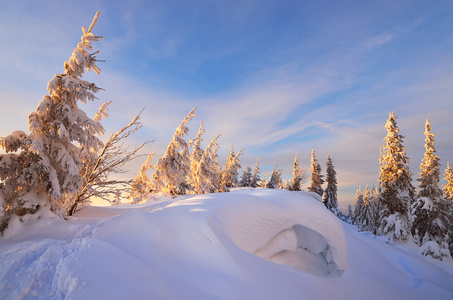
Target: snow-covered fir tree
207	173
275	182
395	180
350	213
448	187
298	176
330	196
376	208
358	208
429	212
172	171
141	184
232	167
246	178
316	177
448	196
263	182
43	168
256	175
196	153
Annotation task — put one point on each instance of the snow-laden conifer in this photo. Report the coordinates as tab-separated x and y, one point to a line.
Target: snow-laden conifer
232	167
358	209
246	178
397	192
256	175
448	196
330	196
196	154
141	184
48	160
299	176
207	173
448	187
172	171
316	177
275	182
263	182
429	211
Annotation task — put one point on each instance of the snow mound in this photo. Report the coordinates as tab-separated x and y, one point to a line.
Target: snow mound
288	228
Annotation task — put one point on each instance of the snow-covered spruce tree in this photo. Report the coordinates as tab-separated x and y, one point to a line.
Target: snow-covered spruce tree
358	217
376	208
207	173
263	182
171	175
316	177
256	175
397	192
196	154
140	185
448	196
429	212
299	176
48	159
330	196
232	167
368	210
350	214
246	178
448	187
275	182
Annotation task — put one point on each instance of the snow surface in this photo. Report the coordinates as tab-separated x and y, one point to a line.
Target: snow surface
246	244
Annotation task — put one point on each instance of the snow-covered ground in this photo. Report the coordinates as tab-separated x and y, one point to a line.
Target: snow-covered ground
246	244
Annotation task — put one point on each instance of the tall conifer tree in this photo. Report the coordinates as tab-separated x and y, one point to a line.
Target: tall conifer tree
428	212
316	177
330	197
256	175
395	179
43	168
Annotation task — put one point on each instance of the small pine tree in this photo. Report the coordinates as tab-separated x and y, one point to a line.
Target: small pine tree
428	214
350	213
275	182
172	171
448	187
232	167
358	209
263	182
330	197
316	177
141	184
246	178
196	154
207	173
395	179
256	175
299	176
448	194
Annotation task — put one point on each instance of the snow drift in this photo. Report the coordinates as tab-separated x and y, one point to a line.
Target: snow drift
247	244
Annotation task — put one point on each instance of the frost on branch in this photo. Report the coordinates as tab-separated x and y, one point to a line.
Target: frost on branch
49	159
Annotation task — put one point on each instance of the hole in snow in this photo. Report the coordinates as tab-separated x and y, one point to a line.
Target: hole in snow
301	248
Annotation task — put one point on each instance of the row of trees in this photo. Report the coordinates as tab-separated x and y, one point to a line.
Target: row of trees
397	210
188	168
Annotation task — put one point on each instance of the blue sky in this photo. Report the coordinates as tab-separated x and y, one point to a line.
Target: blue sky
273	77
